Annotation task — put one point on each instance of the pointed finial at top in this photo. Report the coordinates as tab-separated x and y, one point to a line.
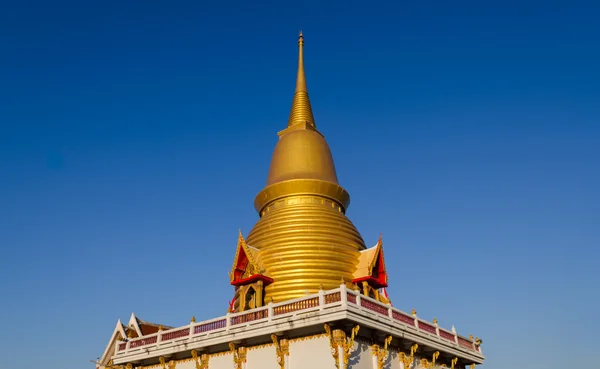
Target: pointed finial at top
301	109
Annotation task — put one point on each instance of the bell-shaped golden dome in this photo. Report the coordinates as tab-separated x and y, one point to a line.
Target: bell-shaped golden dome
304	237
302	154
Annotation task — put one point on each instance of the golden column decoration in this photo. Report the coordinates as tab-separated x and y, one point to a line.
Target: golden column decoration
282	349
304	237
338	339
381	354
426	364
453	362
408	360
239	355
202	363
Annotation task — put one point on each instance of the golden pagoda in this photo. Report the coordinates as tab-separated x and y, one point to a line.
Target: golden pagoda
303	240
308	293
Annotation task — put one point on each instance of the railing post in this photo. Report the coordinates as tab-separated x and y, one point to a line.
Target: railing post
159	337
270	310
437	327
455	335
322	299
390	314
191	329
358	299
127	345
227	321
344	295
117	347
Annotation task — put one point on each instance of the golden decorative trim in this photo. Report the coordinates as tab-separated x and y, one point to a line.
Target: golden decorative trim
337	339
426	364
282	349
333	345
413	312
454	361
203	363
239	355
306	338
473	366
408	360
193	320
381	354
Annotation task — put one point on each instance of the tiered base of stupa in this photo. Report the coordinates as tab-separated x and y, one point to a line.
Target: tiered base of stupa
333	329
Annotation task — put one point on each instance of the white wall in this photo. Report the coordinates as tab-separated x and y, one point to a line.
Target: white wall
264	357
220	362
312	353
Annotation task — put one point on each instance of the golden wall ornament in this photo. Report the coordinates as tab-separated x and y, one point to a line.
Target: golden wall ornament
426	364
202	362
129	366
408	360
473	366
239	355
195	357
333	345
161	360
338	338
282	349
381	354
454	361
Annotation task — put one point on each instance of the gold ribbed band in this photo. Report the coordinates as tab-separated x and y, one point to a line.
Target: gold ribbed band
301	109
306	242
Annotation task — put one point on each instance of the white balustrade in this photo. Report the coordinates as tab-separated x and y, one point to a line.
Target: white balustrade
339	297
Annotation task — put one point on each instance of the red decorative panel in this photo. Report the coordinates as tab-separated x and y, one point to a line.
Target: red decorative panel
122	346
370	305
175	334
427	327
351	298
250	317
211	326
406	319
465	343
332	297
447	335
143	342
296	306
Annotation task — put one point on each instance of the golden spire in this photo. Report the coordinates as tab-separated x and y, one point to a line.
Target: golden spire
304	238
301	109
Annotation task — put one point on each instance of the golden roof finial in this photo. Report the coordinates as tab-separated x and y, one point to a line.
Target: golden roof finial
301	109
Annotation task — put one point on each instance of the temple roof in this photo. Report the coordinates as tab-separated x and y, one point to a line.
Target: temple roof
371	264
247	258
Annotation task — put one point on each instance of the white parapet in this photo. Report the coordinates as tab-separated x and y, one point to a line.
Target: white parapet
291	334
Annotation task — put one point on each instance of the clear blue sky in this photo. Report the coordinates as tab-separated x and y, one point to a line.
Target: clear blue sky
135	135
